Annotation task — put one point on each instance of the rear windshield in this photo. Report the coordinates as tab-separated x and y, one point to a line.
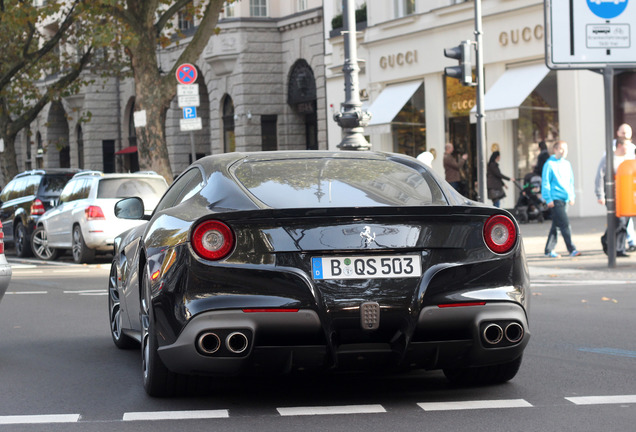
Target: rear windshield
338	182
52	184
131	187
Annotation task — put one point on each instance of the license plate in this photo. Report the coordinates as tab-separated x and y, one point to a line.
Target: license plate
376	267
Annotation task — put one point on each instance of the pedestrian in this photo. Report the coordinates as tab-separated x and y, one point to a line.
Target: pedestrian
557	189
426	158
453	166
620	153
494	180
544	154
625	131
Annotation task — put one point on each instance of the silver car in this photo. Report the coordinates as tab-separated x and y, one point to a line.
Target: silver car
84	221
5	268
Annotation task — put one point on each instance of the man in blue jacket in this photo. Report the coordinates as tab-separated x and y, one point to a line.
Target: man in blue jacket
557	189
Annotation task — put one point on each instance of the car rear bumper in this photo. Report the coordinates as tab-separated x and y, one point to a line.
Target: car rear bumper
5	276
288	341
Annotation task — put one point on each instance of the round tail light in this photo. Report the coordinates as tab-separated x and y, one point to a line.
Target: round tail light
500	234
212	240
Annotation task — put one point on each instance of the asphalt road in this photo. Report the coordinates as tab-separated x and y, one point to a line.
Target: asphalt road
59	371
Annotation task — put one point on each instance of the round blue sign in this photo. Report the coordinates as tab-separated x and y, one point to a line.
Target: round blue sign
607	9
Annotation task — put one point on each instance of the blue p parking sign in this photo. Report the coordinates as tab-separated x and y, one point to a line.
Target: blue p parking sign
189	112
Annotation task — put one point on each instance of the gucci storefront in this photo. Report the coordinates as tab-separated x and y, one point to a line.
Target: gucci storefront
415	107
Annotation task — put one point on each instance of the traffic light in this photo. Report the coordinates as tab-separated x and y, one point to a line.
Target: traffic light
463	72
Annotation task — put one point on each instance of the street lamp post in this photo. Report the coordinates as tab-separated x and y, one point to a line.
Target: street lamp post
351	118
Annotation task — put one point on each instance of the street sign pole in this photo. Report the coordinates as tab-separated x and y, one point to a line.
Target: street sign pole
610	186
480	116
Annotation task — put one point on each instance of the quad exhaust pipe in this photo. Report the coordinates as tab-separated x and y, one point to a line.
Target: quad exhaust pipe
494	334
209	342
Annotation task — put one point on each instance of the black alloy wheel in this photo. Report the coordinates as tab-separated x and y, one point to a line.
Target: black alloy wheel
158	380
22	241
120	339
40	246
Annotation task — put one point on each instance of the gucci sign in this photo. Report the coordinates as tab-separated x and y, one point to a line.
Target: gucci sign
399	59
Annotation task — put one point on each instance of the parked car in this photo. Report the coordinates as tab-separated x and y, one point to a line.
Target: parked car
84	221
289	261
5	268
24	199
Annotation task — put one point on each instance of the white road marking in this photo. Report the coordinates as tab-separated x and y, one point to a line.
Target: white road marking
482	404
175	415
601	400
88	292
33	419
26	292
331	410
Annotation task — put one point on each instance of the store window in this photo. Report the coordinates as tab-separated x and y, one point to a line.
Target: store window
538	121
258	8
459	101
404	7
408	128
229	140
625	100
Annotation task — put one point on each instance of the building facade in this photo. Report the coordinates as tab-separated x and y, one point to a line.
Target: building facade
415	107
261	85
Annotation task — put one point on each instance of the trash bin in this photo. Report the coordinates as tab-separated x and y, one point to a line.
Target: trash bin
626	189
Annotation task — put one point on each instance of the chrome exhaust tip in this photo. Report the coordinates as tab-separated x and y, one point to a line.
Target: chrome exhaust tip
236	342
514	332
493	334
208	343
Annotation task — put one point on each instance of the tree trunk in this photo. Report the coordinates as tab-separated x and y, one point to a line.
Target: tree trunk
9	163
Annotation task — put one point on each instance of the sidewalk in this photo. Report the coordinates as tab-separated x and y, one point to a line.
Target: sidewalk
586	235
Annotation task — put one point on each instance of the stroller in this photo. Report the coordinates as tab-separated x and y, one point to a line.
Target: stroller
530	205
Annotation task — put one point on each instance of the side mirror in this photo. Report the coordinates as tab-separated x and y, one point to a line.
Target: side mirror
130	208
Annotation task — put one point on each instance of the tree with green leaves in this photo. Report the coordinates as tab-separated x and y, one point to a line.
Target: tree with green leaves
43	54
142	27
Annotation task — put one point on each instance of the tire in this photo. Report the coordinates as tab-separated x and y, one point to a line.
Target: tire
484	375
40	246
120	339
158	380
81	252
22	242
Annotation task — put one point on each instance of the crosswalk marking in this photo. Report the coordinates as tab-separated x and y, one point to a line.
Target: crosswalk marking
39	419
602	400
175	415
331	410
479	404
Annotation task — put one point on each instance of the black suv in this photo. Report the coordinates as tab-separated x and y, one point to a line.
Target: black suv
25	199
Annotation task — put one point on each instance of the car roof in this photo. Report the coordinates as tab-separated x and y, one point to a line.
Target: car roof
45	171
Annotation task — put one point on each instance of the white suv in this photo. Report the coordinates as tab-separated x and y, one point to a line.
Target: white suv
84	220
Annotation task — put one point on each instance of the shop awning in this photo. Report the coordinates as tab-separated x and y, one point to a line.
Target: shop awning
127	150
503	99
388	104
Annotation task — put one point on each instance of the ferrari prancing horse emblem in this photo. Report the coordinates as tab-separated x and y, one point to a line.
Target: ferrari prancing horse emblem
367	236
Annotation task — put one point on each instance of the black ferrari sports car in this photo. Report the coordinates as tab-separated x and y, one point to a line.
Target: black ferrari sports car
300	260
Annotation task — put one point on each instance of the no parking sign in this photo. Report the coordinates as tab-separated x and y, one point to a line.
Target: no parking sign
186	74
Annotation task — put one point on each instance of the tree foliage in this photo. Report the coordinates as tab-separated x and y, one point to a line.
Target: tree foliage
43	53
140	28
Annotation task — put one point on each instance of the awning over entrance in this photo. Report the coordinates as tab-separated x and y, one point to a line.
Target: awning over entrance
388	104
503	99
127	150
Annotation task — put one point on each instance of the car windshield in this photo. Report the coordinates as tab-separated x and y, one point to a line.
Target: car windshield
52	185
337	182
131	187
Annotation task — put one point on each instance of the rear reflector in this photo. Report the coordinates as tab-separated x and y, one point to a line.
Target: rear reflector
269	310
449	305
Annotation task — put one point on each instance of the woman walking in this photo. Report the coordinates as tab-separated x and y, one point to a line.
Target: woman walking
494	180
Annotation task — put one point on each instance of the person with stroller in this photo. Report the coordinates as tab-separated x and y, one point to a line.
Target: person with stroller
494	180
